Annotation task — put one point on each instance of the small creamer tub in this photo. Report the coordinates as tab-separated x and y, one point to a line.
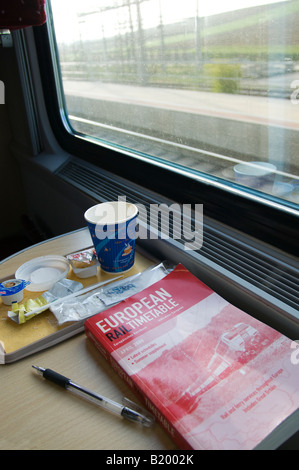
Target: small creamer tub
12	290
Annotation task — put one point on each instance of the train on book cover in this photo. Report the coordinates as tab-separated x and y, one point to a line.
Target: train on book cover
235	348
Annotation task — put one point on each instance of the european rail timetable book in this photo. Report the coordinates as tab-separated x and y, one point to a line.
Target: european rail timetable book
213	376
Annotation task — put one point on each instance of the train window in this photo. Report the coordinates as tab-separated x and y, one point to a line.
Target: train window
207	87
194	102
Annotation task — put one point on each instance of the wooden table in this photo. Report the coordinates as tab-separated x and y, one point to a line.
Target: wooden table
40	415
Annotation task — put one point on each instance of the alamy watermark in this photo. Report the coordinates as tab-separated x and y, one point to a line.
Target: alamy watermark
295	353
157	221
2	93
295	93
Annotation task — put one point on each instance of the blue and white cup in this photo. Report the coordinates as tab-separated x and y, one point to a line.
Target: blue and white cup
112	226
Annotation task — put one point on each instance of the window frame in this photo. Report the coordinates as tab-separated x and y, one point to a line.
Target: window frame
254	214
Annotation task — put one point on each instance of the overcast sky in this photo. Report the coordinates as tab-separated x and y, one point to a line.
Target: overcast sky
69	25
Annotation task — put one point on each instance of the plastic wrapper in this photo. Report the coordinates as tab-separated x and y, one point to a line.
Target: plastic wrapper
96	301
82	259
30	308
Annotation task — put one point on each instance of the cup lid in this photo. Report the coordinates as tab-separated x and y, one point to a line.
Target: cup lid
43	272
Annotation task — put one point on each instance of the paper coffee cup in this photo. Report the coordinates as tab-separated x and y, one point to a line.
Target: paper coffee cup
112	226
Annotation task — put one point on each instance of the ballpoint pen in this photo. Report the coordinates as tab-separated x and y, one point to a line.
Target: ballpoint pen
132	412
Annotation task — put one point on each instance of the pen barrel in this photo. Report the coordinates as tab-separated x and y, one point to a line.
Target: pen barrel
56	378
144	418
95	398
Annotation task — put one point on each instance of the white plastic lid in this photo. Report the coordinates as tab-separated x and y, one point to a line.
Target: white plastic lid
43	272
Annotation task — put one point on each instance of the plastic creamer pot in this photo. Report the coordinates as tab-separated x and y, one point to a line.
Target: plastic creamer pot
12	290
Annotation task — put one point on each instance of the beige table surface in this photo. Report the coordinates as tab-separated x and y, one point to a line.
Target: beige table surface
36	414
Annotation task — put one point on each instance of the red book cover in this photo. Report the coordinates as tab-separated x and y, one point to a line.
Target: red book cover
214	377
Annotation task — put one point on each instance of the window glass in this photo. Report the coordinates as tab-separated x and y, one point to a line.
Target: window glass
209	86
